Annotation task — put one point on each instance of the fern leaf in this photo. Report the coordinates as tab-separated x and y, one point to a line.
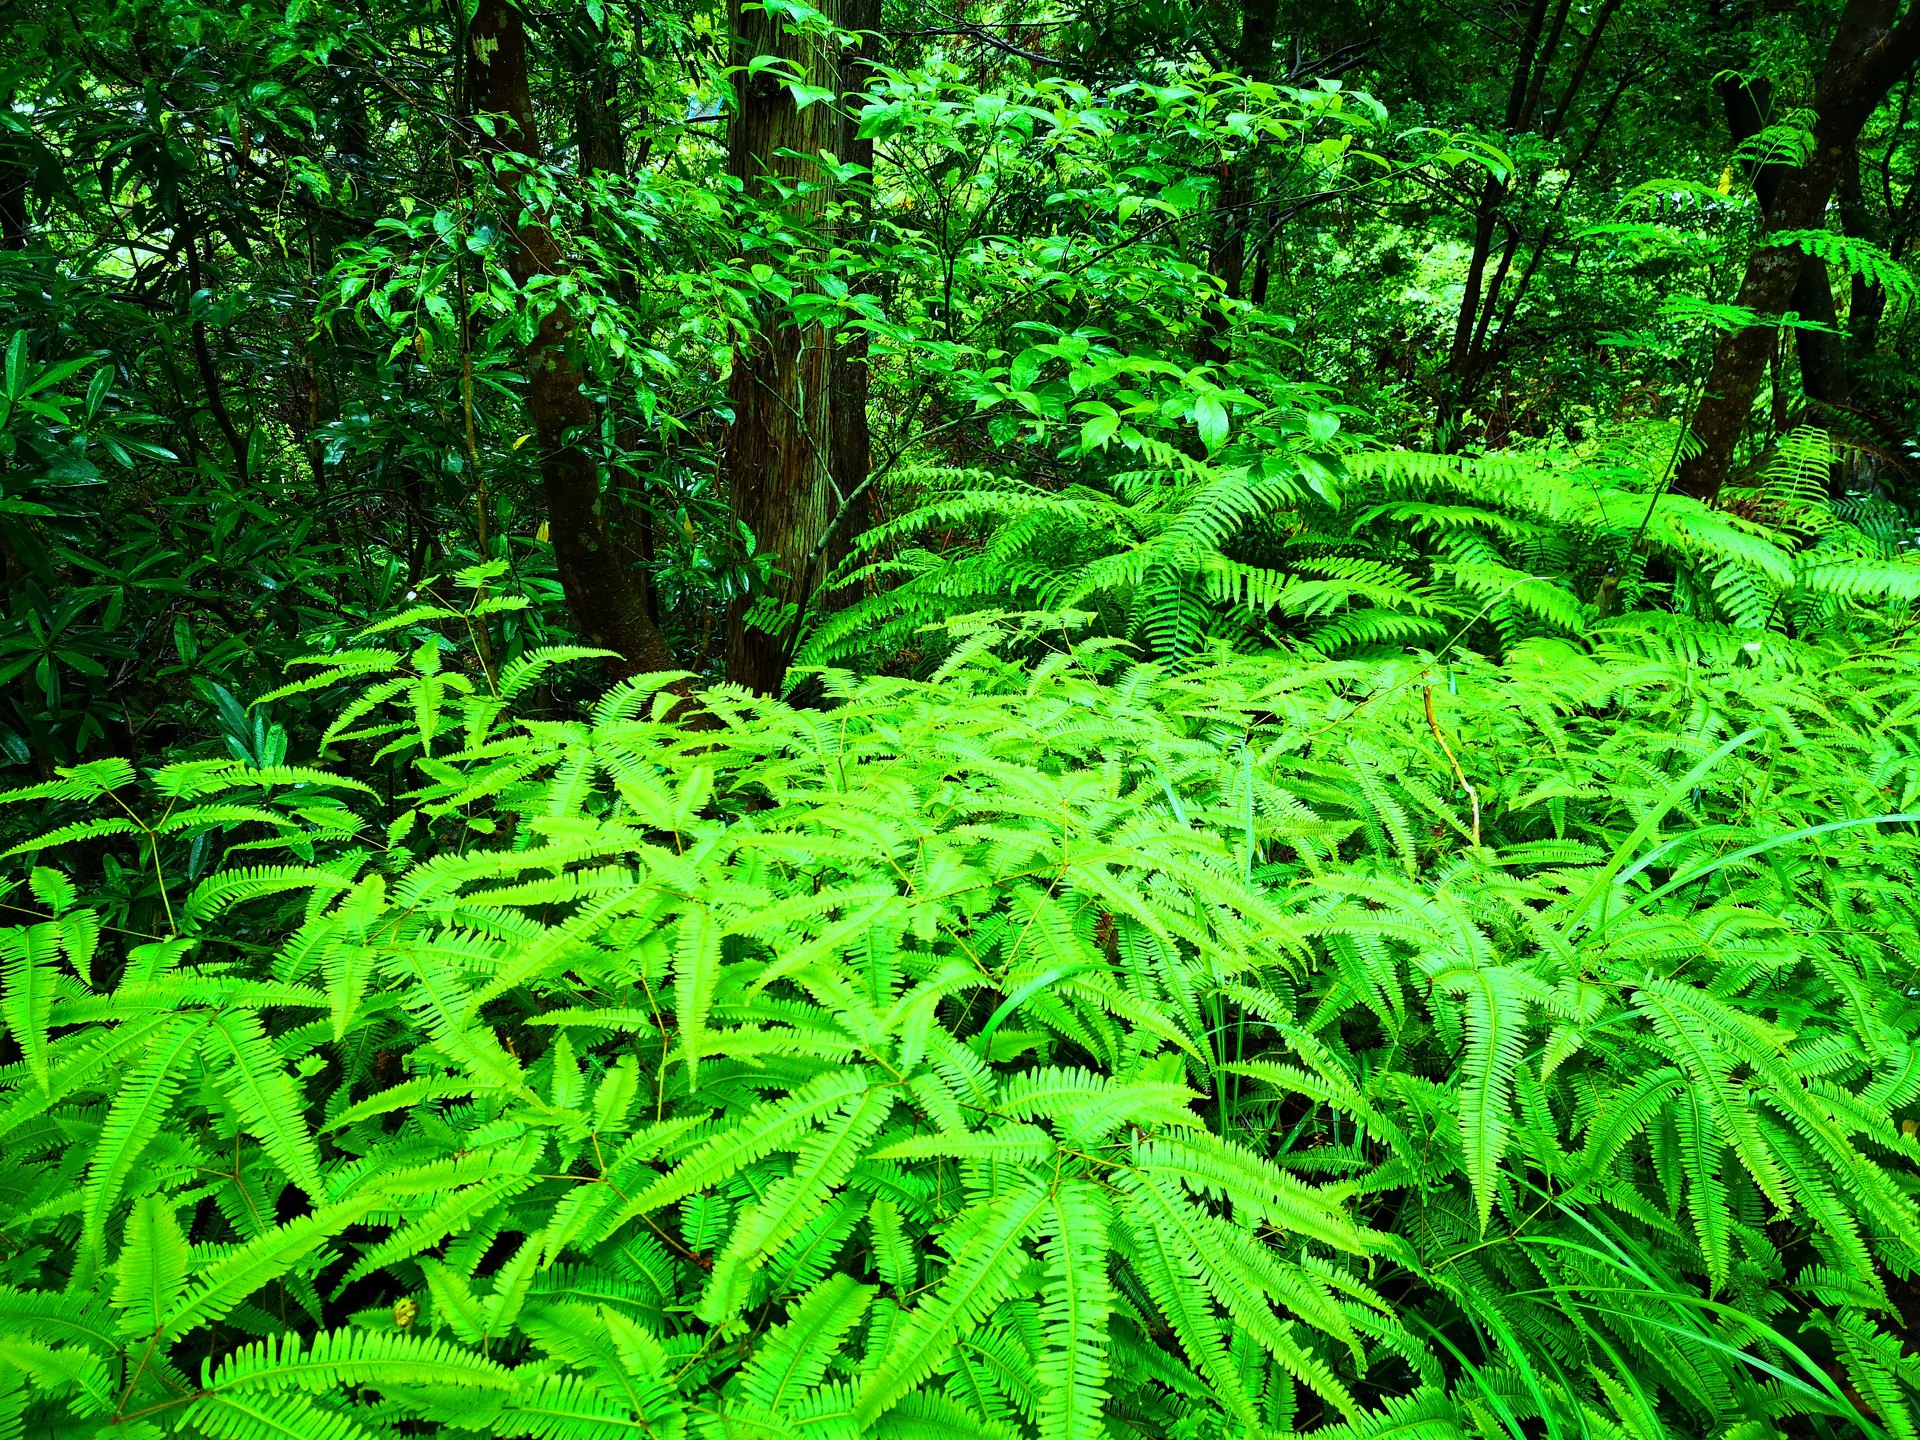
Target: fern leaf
1072	1369
268	1102
822	1164
765	1129
27	971
223	1282
793	1358
1496	1016
151	1269
271	1417
381	1360
983	1273
142	1103
695	972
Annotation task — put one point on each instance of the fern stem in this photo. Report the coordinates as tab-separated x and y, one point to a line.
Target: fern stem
1458	773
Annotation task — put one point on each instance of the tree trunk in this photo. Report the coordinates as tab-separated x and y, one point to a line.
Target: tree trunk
1466	358
1823	355
1493	193
1871	51
1252	60
600	148
781	450
850	458
601	593
598	142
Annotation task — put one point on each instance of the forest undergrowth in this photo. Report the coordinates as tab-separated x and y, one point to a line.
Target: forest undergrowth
1436	1045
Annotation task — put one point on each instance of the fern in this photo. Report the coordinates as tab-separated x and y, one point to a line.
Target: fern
1061	1044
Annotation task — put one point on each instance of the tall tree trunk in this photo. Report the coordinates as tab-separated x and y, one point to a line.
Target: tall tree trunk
781	448
597	137
1252	60
600	148
1867	306
1486	215
600	591
850	457
1823	355
1871	51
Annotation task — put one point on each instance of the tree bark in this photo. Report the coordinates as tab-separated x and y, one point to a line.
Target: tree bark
781	451
600	148
598	142
1824	372
1871	51
603	596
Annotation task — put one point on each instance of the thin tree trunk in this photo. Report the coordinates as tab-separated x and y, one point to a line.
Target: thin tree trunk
1871	52
1581	66
599	141
203	358
601	593
1530	106
850	458
780	448
597	136
1868	304
1462	360
1496	345
1253	60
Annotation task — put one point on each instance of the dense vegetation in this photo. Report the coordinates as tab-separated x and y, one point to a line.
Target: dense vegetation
1050	721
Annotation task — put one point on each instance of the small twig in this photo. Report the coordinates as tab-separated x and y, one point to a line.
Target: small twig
1458	774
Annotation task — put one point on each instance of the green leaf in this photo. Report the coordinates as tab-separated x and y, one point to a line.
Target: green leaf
151	1270
982	1275
1075	1301
793	1357
28	968
268	1102
1210	418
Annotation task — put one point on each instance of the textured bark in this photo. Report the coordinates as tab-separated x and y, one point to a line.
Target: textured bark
600	148
1871	52
1867	307
1823	354
781	448
597	138
602	594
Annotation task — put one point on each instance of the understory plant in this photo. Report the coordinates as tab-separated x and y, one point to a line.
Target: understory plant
1088	1047
1304	537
